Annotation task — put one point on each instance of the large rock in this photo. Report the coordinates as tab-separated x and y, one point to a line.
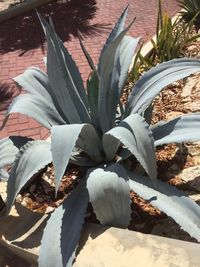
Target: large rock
191	175
21	232
191	94
99	247
112	247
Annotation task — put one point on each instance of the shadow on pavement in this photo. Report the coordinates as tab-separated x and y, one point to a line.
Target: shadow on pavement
70	17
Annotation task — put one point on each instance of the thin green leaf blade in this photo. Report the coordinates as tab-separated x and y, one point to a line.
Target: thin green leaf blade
87	56
93	92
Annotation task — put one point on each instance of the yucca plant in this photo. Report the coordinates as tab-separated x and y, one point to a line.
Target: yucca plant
171	39
93	129
191	10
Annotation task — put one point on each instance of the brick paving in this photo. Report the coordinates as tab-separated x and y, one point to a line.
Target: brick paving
22	43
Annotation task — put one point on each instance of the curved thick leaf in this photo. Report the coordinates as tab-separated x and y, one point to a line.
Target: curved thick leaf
126	53
135	135
8	152
154	80
65	79
9	148
109	195
32	157
35	82
89	142
36	107
63	141
171	201
62	233
185	128
124	56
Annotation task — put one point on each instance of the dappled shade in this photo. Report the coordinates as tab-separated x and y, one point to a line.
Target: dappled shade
7	92
70	19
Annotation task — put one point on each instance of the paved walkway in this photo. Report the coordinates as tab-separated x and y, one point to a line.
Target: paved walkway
22	43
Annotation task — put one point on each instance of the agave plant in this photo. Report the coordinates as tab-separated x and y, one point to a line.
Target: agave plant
93	129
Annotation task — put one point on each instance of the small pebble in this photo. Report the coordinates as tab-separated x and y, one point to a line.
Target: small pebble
19	198
49	209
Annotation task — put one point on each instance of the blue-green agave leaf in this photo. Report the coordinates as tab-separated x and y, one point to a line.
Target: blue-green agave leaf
73	69
9	148
89	142
185	128
154	80
92	92
87	56
62	233
135	135
147	114
112	64
76	79
64	79
119	27
31	158
82	160
124	57
35	82
109	195
171	201
8	152
63	140
126	53
36	107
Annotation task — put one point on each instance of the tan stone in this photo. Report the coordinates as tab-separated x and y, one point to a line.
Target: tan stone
21	232
173	114
191	175
112	247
